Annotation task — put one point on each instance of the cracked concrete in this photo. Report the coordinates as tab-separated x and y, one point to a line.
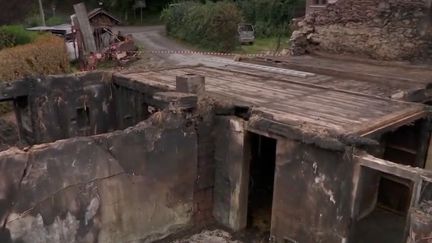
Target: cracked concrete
93	189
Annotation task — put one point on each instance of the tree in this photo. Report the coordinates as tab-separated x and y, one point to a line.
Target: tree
42	12
14	11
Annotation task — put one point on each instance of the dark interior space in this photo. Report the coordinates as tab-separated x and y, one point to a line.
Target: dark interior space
261	182
408	144
394	195
131	107
83	121
383	214
9	131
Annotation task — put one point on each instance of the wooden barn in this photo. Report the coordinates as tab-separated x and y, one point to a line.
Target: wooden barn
100	18
101	23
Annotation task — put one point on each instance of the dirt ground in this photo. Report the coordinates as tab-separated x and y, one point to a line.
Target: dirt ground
154	39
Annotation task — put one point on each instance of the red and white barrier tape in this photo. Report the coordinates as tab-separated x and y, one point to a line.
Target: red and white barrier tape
210	53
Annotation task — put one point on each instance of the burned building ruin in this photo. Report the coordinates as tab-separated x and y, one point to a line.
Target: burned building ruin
137	157
310	149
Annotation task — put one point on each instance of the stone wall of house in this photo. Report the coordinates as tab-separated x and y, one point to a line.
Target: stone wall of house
379	29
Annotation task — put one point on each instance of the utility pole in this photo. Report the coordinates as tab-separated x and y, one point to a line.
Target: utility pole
42	12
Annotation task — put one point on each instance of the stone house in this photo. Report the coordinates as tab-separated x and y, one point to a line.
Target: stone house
385	30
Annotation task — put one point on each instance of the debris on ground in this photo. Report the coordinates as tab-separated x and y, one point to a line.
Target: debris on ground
426	206
215	236
121	53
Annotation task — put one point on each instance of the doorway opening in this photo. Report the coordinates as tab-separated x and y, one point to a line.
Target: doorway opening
384	201
10	134
261	182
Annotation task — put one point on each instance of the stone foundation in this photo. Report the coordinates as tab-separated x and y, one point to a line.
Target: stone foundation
383	30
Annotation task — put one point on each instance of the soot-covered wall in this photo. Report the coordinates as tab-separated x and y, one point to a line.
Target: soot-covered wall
59	107
124	186
312	194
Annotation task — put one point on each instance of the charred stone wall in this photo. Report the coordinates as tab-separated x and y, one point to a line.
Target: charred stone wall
136	184
204	186
380	29
60	107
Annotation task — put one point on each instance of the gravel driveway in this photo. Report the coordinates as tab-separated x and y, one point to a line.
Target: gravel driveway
154	38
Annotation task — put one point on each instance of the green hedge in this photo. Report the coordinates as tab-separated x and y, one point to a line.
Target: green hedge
210	25
13	35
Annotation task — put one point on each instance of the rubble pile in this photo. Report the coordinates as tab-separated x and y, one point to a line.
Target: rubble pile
119	52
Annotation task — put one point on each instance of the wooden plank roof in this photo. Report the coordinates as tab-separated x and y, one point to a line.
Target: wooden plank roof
294	99
373	78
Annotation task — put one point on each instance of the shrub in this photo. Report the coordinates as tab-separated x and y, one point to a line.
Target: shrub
55	20
211	25
33	20
13	35
47	55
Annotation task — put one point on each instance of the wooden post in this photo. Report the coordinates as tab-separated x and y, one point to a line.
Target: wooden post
85	27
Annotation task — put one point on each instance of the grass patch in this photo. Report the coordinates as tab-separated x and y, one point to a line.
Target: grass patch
262	45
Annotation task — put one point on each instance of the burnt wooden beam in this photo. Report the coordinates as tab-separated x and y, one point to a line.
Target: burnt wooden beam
392	121
272	127
403	171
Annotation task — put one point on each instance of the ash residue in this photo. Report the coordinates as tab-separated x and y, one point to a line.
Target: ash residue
426	207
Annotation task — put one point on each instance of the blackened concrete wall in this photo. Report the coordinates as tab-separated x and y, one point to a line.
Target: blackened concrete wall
204	186
231	173
60	107
312	194
124	186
